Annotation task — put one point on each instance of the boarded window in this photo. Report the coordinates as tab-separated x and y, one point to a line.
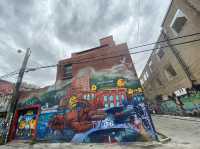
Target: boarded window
170	72
68	71
158	82
178	21
160	53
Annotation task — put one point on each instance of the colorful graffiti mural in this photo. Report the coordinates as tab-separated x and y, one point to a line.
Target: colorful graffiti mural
191	105
3	126
6	90
96	107
26	124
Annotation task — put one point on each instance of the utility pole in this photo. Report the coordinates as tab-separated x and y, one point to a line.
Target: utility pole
16	94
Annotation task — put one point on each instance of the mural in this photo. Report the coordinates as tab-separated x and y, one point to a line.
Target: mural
3	127
95	107
26	124
191	105
6	90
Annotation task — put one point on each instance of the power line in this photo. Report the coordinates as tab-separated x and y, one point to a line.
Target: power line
138	51
33	69
135	47
152	43
147	50
184	36
49	66
11	73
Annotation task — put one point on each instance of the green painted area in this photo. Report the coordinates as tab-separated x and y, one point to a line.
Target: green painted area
51	98
169	106
189	104
31	101
192	102
105	82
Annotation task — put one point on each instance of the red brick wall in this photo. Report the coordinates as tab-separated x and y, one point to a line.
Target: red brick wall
98	58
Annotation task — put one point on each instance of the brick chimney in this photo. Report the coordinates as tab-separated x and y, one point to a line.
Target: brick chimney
107	41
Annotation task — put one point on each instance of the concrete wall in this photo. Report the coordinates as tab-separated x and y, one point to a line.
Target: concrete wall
189	53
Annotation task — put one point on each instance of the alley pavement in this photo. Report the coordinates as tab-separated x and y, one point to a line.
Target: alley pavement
181	130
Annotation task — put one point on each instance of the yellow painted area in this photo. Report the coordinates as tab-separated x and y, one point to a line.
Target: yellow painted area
32	124
120	83
22	124
73	101
130	91
94	87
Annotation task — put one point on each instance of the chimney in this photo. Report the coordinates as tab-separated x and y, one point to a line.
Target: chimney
107	41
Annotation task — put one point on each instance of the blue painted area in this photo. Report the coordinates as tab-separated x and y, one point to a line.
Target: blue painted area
117	133
120	125
50	128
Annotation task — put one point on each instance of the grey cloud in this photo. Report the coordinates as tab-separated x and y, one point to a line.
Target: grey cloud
80	24
49	26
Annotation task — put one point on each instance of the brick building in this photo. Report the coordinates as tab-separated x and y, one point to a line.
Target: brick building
102	57
91	94
175	67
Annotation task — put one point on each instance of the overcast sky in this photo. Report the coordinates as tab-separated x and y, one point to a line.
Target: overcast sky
53	29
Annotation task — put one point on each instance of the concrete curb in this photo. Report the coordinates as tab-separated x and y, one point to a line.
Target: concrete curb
164	138
135	145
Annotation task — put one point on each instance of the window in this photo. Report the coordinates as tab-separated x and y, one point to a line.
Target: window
160	52
150	66
122	98
147	75
111	98
106	101
178	21
68	71
117	100
158	82
88	97
142	81
170	72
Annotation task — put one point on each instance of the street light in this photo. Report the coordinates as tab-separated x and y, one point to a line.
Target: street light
19	51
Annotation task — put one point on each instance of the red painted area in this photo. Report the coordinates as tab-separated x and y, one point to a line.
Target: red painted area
6	88
114	93
96	99
81	120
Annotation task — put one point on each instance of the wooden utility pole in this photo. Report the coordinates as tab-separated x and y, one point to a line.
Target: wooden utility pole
16	94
